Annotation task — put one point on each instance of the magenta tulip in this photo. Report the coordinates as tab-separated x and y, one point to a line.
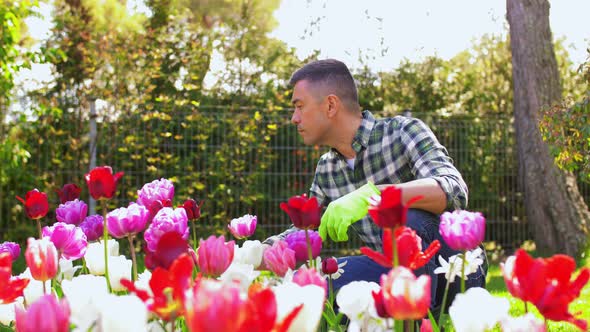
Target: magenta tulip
215	255
158	190
72	212
462	230
297	243
166	220
93	227
12	248
123	222
47	314
243	227
69	240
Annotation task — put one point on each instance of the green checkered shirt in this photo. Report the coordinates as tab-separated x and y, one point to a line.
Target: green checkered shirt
388	151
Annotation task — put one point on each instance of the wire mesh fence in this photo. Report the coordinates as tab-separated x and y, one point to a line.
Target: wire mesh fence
244	160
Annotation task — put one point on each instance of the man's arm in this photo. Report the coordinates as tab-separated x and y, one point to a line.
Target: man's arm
434	198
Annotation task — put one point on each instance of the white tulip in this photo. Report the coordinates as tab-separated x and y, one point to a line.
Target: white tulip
126	313
290	295
34	289
250	253
355	299
524	323
143	281
467	314
119	268
82	293
7	311
66	269
239	272
95	255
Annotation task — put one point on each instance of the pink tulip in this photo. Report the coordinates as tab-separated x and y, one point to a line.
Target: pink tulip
243	227
404	295
166	220
158	190
279	258
213	306
47	314
93	227
72	212
69	240
297	242
131	220
42	258
215	255
462	230
305	276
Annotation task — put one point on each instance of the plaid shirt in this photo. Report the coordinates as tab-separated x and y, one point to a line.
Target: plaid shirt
388	151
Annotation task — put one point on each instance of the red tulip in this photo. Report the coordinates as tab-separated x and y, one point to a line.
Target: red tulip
305	213
169	248
69	192
389	211
10	287
36	205
42	258
404	295
380	304
102	184
329	265
409	249
193	210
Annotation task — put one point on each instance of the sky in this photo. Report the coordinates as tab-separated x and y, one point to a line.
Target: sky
387	31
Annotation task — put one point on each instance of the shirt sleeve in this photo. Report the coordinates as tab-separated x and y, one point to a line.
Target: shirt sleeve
430	159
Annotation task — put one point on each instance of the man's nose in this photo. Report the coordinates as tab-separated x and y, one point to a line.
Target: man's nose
295	118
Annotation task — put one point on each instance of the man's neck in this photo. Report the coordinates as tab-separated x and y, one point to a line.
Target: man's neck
348	127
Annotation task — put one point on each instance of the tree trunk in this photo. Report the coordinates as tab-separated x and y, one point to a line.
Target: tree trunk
554	207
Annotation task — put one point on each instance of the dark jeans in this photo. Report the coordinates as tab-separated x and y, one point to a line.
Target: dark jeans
426	226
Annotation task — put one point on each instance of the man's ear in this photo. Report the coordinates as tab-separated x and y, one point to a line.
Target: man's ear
333	105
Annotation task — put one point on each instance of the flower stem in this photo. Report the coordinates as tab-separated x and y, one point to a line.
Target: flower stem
133	259
39	228
444	300
463	271
194	234
395	262
309	253
105	239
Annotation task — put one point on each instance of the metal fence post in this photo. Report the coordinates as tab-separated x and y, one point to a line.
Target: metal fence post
93	143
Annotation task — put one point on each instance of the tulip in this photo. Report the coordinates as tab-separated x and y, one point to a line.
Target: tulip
462	230
388	210
72	212
525	323
119	268
66	269
166	220
158	190
83	293
297	242
46	314
36	205
354	299
305	213
93	227
102	184
69	240
379	303
242	227
124	222
170	246
35	289
290	295
466	313
193	210
12	248
95	255
122	313
250	253
409	249
309	276
42	258
69	192
7	313
279	258
221	301
329	266
241	274
10	287
404	295
215	255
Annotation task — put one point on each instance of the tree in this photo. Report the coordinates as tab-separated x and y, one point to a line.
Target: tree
553	204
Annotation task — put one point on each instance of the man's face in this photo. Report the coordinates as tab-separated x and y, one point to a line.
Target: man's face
310	113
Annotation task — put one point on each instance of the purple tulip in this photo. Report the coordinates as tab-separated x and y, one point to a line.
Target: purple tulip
158	190
215	255
69	239
72	212
131	220
297	243
93	227
166	220
462	230
12	248
279	258
243	227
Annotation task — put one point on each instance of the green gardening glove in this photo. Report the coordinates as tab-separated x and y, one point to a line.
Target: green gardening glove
344	211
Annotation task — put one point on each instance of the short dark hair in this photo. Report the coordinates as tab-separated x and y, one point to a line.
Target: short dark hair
334	78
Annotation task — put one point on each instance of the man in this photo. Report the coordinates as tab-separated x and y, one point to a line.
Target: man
366	156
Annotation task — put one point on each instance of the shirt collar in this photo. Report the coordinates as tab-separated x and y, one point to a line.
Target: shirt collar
361	138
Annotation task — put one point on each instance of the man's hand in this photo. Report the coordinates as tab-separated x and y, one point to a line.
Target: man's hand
344	211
